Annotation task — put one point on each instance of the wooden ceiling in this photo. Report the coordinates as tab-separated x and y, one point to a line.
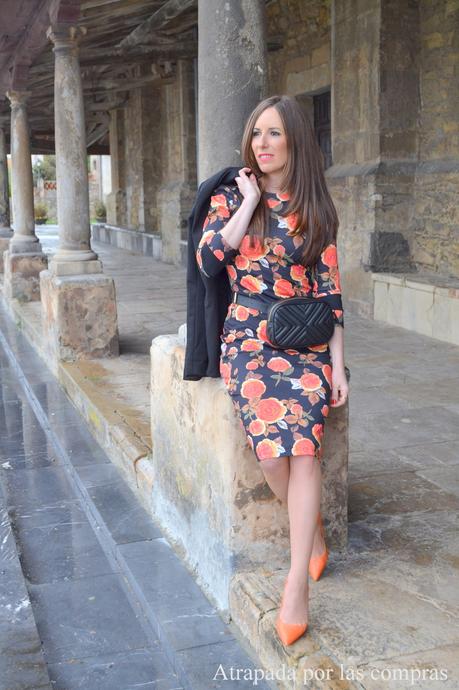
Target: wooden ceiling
128	43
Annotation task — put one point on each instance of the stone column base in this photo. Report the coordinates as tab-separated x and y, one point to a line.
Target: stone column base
4	244
79	316
22	275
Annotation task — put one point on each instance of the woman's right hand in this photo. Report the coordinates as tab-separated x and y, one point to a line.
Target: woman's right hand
248	186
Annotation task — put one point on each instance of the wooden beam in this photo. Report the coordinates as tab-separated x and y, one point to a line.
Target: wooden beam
158	20
147	54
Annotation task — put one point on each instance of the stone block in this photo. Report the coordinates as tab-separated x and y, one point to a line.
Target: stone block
22	271
209	492
4	244
79	316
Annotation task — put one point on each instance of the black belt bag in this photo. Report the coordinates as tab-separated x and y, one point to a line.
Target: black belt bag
293	323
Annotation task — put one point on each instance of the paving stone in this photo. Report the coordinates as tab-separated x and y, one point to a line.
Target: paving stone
401	621
127	670
99	475
186	616
398	493
61	552
125	518
209	666
42	486
87	617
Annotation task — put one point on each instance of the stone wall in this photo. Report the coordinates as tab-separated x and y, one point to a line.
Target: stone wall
436	194
390	67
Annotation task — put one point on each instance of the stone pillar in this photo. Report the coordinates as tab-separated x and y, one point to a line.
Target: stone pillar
375	111
24	259
116	200
176	195
232	68
5	231
79	303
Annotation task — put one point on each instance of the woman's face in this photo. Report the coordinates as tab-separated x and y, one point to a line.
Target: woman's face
269	142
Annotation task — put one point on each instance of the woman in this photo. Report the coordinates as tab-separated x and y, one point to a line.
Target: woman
279	241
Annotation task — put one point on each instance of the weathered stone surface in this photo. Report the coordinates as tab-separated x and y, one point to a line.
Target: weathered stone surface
4	244
232	77
79	316
22	275
217	503
5	231
71	165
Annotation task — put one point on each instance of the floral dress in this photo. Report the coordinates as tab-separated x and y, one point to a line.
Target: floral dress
281	396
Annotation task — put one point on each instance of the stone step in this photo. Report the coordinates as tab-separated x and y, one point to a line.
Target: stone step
22	664
192	634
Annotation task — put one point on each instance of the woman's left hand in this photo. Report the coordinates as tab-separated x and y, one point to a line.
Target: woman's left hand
340	388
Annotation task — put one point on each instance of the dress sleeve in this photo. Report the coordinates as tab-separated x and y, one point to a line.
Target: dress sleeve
327	283
213	252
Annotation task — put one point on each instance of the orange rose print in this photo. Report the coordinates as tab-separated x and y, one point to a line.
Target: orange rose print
278	364
318	431
282	288
257	427
251	345
218	202
292	221
310	382
303	446
207	237
252	284
231	272
319	348
241	313
298	272
254	253
329	255
297	410
279	394
252	388
327	372
270	410
225	371
267	449
242	262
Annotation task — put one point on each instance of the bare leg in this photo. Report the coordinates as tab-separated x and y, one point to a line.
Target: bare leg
277	472
304	491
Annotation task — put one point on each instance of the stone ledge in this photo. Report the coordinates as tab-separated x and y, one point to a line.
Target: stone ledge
119	427
210	493
254	601
422	303
148	244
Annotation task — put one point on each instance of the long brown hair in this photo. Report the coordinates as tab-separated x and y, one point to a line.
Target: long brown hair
303	179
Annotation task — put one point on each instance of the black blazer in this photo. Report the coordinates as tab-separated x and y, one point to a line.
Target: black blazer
208	298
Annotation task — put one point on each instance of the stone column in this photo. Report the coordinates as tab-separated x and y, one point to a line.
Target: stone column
375	130
24	259
5	231
116	200
79	302
232	69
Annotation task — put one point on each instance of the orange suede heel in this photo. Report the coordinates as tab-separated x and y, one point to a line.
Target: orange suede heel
289	632
317	563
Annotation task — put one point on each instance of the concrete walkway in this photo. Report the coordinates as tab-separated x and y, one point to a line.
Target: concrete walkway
388	612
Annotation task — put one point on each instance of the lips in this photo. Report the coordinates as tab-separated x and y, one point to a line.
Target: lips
265	156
